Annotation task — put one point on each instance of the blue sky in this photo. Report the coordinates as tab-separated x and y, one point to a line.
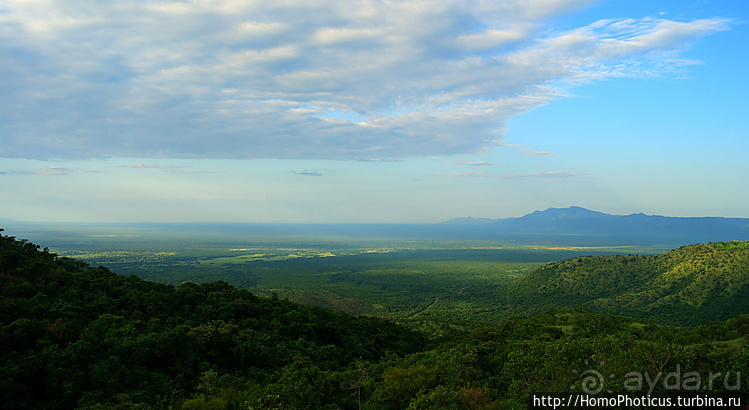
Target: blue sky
371	111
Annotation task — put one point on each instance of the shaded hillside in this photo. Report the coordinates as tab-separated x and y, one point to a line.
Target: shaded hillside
75	336
349	305
690	285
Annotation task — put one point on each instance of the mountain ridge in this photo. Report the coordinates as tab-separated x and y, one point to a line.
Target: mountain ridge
591	226
575	211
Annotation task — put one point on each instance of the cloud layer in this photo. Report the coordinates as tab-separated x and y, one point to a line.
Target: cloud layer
548	175
360	79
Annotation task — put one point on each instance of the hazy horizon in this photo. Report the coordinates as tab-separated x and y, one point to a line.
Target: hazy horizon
3	219
371	112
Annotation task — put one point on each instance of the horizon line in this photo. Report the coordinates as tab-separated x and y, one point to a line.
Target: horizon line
2	220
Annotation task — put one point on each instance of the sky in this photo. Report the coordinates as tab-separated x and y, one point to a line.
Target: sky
371	111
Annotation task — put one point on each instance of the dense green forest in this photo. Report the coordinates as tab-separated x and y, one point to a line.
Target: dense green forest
691	285
76	336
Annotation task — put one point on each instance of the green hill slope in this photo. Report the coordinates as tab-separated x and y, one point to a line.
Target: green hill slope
74	336
690	285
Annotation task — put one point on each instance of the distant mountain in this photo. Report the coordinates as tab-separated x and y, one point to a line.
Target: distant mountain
690	285
573	226
583	226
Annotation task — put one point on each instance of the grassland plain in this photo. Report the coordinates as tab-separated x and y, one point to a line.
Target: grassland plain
416	280
395	272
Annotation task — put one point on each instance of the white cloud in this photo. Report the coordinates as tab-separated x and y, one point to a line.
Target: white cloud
526	150
153	166
469	163
474	163
308	173
631	37
48	171
546	175
237	79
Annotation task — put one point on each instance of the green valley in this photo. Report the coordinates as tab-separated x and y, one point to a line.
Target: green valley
395	281
428	327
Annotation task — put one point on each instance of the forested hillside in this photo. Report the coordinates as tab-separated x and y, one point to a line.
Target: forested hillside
694	284
74	336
